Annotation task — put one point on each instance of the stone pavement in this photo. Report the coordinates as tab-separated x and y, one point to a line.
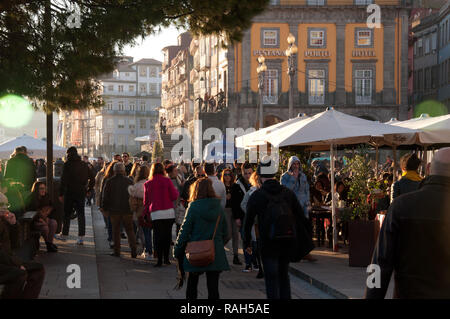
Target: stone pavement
332	274
56	275
104	276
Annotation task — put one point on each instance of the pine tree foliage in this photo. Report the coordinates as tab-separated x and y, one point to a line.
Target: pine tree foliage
46	56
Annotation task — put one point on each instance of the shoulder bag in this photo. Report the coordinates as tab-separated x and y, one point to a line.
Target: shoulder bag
202	253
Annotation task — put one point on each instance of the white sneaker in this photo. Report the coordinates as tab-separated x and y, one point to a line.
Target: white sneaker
80	241
143	255
149	257
61	237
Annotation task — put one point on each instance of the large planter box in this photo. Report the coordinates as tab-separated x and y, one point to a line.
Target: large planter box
362	236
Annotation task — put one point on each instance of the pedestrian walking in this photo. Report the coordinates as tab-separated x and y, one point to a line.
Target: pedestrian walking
136	192
283	229
411	179
296	181
219	187
115	202
238	191
77	181
198	172
205	220
255	181
159	195
180	210
413	241
127	163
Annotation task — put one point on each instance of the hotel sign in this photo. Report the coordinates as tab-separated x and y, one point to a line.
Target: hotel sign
358	53
269	53
315	53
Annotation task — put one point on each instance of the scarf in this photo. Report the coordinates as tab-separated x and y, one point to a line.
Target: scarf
412	175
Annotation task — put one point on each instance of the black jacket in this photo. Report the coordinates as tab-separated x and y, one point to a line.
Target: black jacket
186	187
21	169
76	178
257	206
115	199
237	195
414	243
403	186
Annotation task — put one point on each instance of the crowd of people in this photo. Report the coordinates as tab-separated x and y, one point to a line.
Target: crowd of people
269	218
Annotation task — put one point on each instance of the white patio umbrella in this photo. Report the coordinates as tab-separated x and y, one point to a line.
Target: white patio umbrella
256	138
36	148
145	138
331	128
431	130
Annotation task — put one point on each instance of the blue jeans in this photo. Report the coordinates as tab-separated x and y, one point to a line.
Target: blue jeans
148	239
276	271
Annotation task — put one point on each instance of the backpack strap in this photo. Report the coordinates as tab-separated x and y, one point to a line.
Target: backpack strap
217	224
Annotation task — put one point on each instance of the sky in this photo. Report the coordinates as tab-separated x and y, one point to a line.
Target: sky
151	46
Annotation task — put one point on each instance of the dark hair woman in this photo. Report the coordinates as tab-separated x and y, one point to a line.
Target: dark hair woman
109	173
41	202
200	222
159	194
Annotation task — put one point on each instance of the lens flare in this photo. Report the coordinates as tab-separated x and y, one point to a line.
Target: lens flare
431	107
15	111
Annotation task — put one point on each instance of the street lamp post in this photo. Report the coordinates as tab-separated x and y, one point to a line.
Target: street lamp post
291	53
261	71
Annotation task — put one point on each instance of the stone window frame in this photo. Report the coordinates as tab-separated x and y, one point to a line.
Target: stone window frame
277	45
317	66
324	44
371	38
364	65
121	104
274	64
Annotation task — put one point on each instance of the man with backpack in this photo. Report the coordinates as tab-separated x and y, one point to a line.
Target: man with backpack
282	227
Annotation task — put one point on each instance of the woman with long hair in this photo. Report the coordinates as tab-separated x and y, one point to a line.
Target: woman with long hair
200	224
159	194
134	170
41	202
136	192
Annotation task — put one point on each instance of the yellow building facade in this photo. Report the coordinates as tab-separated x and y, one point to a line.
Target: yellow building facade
342	61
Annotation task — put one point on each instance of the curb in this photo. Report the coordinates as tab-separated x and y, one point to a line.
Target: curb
317	283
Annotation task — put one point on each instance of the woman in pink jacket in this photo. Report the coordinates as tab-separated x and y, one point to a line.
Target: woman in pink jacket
159	195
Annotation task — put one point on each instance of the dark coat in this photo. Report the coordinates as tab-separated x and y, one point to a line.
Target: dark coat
115	199
21	169
186	187
257	207
199	224
403	186
237	195
76	178
414	243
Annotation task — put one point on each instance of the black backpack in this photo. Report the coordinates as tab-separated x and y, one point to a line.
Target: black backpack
280	222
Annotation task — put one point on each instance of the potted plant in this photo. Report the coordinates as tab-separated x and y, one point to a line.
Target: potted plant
362	231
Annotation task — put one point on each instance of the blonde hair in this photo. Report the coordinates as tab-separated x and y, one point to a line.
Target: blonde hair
202	188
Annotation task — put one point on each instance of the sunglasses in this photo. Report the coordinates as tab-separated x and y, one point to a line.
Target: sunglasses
203	175
226	174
